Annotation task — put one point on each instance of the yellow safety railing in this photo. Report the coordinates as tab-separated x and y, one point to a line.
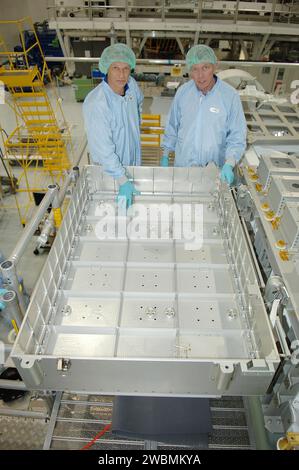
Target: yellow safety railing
151	132
150	135
41	141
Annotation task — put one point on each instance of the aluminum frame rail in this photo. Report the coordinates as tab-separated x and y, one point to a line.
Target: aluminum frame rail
271	123
274	192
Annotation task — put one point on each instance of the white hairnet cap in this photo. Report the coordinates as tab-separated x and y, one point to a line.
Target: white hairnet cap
200	54
116	53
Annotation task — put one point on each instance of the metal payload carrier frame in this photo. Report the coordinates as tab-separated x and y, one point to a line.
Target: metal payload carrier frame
145	316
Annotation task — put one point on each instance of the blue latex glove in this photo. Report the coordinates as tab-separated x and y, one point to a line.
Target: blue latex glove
227	174
2	304
164	161
127	190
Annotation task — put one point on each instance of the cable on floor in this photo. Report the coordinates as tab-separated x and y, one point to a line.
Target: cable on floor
100	434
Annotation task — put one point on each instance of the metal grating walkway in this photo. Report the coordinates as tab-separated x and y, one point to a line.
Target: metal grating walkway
76	419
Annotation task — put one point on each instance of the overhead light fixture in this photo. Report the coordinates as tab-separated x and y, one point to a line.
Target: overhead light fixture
153	34
280	133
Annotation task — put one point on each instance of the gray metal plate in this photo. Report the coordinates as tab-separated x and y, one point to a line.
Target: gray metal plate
103	306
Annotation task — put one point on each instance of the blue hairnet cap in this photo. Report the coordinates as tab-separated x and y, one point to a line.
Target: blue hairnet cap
116	53
200	54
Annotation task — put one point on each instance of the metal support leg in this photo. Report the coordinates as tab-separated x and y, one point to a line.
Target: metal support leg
52	422
256	423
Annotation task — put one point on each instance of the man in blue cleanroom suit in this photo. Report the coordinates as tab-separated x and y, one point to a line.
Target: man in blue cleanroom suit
112	113
206	122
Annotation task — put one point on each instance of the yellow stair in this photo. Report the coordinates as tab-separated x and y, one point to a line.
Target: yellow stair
18	78
37	136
